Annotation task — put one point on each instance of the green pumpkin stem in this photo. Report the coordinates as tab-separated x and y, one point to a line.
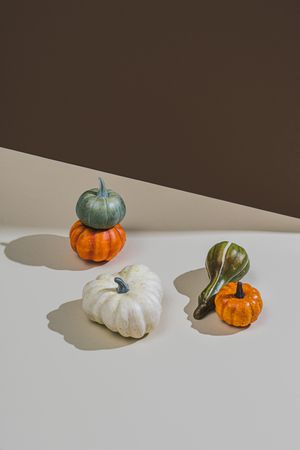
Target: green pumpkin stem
122	286
102	189
239	290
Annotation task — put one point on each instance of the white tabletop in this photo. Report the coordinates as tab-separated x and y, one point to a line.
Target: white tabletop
69	384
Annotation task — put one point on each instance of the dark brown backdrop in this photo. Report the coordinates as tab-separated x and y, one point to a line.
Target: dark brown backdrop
200	96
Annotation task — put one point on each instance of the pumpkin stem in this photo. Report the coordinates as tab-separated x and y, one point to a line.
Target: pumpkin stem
239	290
102	189
122	286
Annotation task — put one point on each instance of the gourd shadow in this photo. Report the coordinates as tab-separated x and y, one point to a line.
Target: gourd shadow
47	250
70	321
191	284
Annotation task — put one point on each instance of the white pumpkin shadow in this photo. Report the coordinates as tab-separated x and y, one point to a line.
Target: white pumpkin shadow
191	284
70	321
47	250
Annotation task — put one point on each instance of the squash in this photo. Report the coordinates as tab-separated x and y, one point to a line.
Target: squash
128	302
96	245
100	208
238	304
225	262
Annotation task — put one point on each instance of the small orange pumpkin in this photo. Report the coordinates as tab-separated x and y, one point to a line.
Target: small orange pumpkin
97	245
238	304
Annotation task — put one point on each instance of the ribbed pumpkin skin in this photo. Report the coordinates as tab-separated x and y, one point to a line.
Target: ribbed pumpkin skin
239	312
97	245
100	212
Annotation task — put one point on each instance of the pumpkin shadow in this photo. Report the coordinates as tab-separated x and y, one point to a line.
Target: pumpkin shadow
70	321
47	250
191	284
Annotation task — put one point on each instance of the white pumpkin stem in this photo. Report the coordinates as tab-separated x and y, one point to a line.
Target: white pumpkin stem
122	286
102	189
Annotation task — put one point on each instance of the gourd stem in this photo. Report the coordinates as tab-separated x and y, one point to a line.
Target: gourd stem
122	286
239	290
102	189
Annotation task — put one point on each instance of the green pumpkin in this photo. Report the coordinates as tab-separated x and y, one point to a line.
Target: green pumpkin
100	208
225	262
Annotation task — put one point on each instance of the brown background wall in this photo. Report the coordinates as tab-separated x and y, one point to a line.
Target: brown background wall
198	96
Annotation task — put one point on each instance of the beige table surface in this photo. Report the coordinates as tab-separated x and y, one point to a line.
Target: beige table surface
69	384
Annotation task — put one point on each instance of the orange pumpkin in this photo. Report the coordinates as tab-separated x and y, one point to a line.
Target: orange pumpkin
97	245
238	304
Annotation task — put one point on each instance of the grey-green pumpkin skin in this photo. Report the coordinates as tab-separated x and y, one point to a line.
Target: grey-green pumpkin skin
100	208
221	270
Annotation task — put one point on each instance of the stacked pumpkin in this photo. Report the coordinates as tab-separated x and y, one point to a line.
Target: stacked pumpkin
97	235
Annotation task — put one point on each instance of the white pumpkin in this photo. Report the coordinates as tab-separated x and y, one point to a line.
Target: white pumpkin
127	302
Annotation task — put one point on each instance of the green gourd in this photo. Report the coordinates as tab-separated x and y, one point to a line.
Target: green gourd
100	208
225	262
